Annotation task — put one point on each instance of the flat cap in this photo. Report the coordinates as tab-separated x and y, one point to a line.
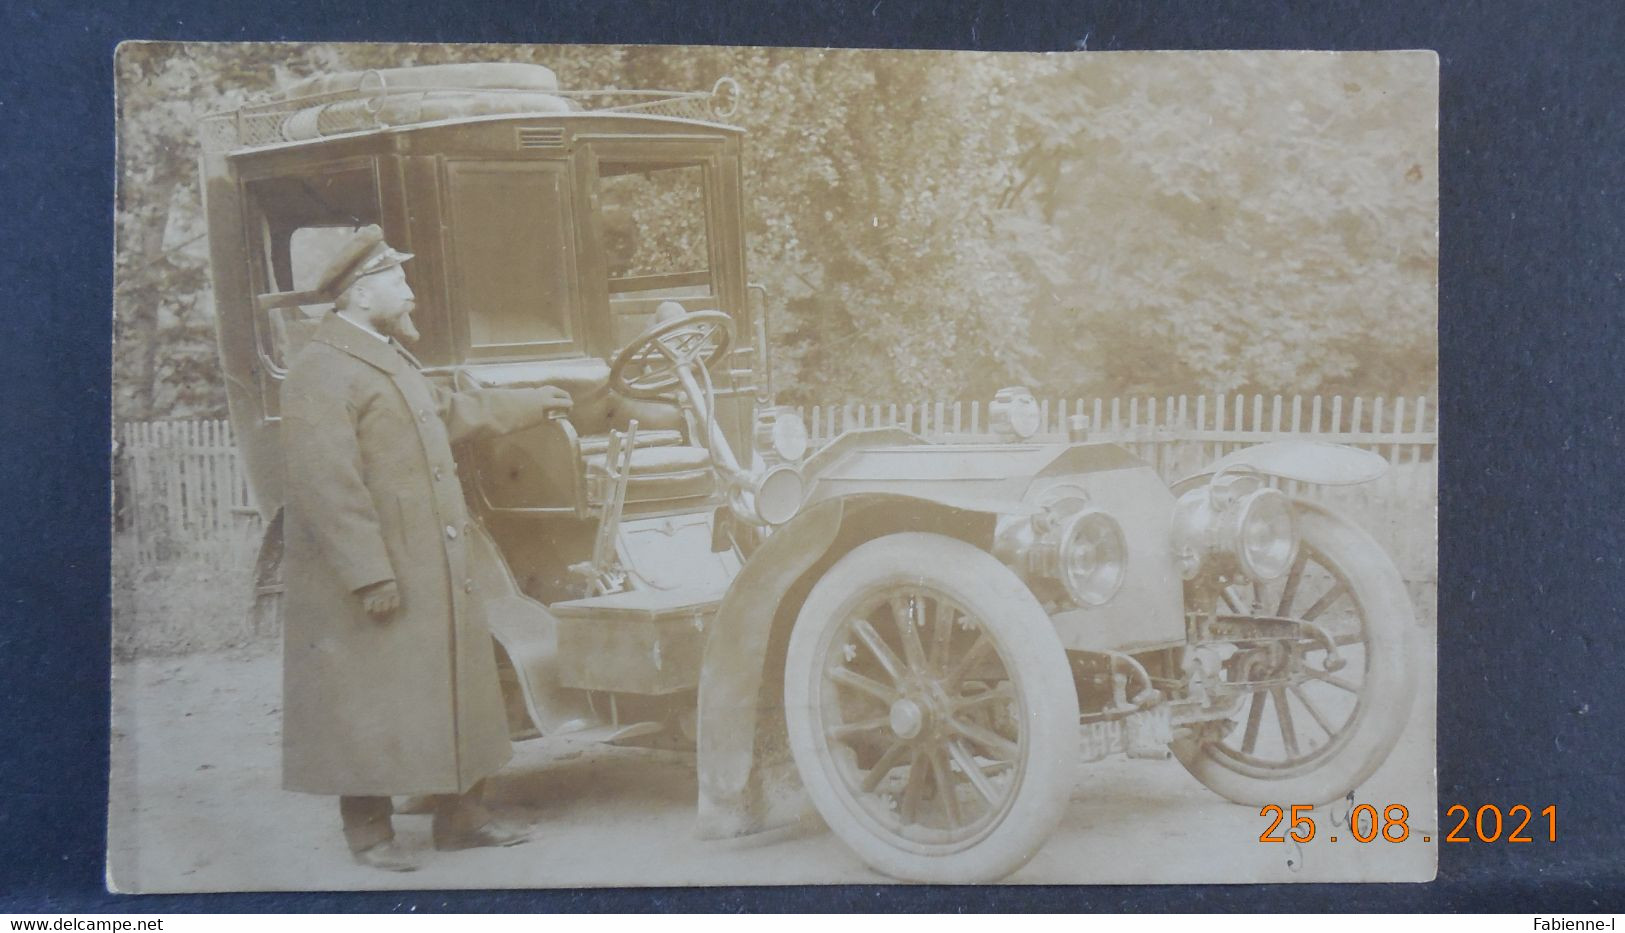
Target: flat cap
364	253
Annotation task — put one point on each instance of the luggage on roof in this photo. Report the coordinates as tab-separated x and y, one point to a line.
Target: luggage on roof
468	76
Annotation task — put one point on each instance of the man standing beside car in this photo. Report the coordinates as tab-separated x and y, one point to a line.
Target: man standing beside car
389	680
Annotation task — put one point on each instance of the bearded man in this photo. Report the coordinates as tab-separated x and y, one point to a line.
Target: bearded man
389	680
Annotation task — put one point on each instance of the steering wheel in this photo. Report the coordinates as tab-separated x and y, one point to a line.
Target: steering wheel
647	367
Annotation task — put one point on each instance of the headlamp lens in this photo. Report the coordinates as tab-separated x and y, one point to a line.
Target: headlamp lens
1014	411
789	437
1268	535
1093	558
1024	417
778	494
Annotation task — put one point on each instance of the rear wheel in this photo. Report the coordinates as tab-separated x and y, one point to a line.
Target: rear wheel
931	710
1329	709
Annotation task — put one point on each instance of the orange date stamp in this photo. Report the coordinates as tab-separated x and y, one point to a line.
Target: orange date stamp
1366	823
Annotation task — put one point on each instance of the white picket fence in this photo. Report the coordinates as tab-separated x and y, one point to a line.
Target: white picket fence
180	487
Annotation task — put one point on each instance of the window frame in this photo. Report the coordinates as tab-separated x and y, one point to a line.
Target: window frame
716	155
576	343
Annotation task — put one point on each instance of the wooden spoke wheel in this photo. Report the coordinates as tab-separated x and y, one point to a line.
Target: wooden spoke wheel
1323	711
931	710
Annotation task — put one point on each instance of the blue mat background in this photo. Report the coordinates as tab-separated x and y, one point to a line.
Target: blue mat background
1532	168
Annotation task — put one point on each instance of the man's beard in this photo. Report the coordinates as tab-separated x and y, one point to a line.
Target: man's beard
398	326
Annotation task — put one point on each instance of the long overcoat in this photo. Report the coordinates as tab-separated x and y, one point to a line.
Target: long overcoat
411	705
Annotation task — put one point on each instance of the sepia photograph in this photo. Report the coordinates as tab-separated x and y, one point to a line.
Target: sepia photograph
566	466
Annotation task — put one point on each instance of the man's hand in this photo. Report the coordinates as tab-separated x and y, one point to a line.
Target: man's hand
381	600
556	399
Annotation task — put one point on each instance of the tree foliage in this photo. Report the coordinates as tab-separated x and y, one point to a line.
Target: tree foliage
942	224
1252	222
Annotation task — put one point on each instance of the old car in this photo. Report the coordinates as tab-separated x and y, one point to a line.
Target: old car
920	639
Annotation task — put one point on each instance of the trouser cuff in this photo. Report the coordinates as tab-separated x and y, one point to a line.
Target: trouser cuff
460	814
366	821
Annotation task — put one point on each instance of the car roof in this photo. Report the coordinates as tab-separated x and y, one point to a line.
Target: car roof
347	105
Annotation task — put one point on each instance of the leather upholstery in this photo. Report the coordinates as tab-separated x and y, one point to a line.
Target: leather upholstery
596	445
662	472
662	466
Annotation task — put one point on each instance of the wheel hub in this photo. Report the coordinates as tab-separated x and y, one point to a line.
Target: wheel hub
908	718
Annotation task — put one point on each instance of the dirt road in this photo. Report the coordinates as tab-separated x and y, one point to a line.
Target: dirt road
196	806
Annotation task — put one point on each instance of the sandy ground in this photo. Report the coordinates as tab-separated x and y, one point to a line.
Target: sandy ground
196	806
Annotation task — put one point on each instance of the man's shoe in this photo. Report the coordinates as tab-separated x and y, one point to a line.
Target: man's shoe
386	856
492	834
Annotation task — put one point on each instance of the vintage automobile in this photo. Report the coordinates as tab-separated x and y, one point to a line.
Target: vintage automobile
923	640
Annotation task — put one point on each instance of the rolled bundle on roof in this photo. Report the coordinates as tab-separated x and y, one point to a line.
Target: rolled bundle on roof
346	116
464	76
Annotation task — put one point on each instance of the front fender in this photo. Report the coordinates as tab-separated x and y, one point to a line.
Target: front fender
1314	462
747	780
734	714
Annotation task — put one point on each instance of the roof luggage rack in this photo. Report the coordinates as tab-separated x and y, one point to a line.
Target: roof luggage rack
378	99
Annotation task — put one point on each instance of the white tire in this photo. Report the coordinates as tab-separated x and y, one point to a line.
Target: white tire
1322	733
931	710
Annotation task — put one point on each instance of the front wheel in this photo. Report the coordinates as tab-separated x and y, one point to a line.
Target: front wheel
1318	717
931	710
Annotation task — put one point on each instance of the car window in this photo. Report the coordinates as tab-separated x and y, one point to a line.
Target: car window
653	225
511	244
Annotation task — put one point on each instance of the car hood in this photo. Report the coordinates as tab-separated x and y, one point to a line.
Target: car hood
985	477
